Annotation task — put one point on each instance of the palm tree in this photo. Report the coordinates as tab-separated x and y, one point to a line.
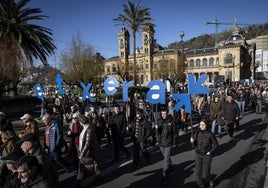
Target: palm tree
15	30
21	41
134	17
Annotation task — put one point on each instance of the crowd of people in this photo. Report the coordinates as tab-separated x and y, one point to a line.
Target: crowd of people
29	161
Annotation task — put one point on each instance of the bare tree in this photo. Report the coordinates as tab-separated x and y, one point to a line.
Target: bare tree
81	63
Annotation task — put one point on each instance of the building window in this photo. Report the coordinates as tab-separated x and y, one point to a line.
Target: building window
198	63
147	66
191	63
108	69
228	59
142	79
211	61
114	68
121	43
204	62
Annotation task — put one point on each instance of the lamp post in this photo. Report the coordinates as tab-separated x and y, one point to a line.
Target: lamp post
182	57
182	35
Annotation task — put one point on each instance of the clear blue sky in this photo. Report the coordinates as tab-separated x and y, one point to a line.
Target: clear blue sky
93	19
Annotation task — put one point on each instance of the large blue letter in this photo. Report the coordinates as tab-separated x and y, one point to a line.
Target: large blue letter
196	87
86	91
126	85
110	85
59	82
156	93
183	100
39	91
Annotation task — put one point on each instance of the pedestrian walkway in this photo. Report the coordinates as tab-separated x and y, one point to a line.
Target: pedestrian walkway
109	167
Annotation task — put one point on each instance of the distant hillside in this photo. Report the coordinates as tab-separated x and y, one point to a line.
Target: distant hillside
208	41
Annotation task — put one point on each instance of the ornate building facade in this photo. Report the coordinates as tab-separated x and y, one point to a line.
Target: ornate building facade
232	61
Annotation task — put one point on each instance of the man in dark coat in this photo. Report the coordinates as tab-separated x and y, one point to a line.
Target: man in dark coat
140	131
167	136
118	129
230	114
29	173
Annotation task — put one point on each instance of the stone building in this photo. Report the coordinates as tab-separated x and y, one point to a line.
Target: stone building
262	57
232	61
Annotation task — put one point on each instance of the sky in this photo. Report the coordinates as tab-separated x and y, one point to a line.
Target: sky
93	20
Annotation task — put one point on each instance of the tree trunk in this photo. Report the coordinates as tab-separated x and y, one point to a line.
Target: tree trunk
134	58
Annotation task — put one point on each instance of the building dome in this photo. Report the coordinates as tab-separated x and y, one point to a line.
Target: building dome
235	38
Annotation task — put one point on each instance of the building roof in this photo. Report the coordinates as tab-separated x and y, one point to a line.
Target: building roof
203	51
235	38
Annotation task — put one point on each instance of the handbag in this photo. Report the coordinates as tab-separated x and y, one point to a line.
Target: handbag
86	161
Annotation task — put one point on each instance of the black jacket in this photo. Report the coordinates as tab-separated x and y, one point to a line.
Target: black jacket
118	124
205	141
230	111
166	132
143	130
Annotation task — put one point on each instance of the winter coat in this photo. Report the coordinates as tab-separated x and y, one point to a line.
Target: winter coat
143	131
166	132
38	182
118	124
90	147
204	142
216	112
48	169
55	137
230	111
31	127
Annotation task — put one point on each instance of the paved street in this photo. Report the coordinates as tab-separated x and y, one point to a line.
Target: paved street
238	164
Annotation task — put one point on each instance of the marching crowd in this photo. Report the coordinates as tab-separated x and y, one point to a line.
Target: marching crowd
28	161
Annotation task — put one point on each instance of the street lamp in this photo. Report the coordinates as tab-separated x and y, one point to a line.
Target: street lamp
182	35
182	56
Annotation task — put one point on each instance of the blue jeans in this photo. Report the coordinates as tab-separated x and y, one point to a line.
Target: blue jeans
241	105
259	106
213	127
167	161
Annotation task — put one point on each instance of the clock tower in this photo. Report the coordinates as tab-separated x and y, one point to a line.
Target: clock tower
123	40
148	49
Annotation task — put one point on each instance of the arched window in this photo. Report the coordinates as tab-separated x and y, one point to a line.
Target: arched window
228	59
142	79
211	61
114	68
191	63
217	61
204	62
198	63
121	43
108	69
